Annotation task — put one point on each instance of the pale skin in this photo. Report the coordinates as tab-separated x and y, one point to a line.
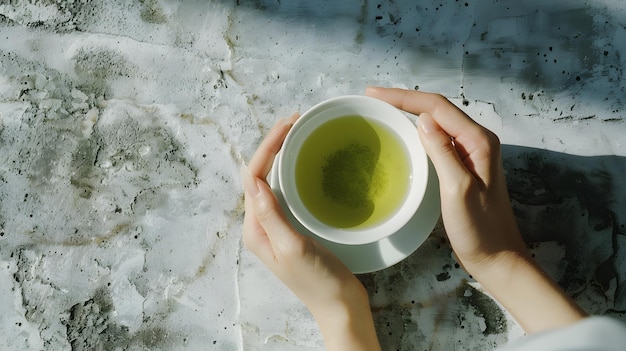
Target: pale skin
476	212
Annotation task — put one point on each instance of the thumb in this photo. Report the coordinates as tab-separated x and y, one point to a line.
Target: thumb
441	151
283	238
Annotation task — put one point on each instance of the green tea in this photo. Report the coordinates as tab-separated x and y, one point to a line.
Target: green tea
352	172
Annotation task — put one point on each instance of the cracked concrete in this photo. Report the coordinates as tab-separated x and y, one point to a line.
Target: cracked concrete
123	128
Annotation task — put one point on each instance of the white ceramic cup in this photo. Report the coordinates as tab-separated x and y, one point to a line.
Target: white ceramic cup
370	109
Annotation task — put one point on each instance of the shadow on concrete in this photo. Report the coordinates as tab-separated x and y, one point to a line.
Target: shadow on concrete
579	203
548	46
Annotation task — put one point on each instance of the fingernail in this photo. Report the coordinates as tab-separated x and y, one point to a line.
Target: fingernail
294	117
426	123
249	183
372	89
281	122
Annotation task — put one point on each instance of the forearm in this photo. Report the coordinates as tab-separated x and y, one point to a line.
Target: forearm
533	298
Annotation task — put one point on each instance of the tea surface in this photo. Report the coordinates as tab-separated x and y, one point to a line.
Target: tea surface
352	172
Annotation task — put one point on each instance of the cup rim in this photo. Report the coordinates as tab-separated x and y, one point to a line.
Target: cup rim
373	109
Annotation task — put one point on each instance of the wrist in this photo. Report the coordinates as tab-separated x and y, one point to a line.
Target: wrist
531	296
498	267
347	322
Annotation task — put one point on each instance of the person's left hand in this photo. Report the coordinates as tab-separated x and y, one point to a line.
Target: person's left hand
335	297
312	272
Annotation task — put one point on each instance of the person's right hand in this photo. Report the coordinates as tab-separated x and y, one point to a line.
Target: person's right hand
477	213
475	204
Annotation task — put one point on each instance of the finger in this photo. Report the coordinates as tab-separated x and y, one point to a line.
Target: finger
254	236
263	158
441	150
294	117
257	242
449	117
270	215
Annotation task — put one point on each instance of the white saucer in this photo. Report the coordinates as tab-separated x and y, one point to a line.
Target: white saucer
386	252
